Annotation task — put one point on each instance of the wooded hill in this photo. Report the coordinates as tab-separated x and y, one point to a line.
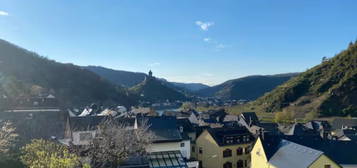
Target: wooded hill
23	73
153	89
328	89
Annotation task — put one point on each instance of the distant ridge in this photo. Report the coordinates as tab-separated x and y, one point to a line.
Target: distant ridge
248	88
119	77
130	79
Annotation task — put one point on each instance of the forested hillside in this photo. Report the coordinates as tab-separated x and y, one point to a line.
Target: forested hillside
328	89
153	89
23	73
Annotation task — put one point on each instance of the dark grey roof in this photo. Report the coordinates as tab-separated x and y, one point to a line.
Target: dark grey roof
350	133
37	124
269	127
270	144
342	152
186	124
339	122
318	125
164	128
91	122
85	123
250	116
220	135
300	129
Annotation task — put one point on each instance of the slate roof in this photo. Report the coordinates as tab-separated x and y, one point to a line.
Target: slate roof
293	155
318	125
186	124
269	127
165	129
270	144
91	122
339	122
342	152
250	116
37	123
300	129
351	134
219	135
85	123
230	118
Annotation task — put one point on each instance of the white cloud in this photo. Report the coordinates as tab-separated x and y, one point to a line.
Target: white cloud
204	25
154	64
3	13
207	39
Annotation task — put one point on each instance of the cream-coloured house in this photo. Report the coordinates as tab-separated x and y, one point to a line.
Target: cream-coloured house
275	152
224	148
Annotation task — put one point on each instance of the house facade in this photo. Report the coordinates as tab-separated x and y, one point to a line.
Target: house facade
275	152
224	148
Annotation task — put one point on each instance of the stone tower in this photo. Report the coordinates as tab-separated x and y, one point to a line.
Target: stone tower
150	73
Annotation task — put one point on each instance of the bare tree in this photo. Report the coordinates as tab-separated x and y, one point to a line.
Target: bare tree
8	137
116	141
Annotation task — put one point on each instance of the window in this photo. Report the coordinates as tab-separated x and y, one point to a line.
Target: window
227	165
229	140
247	150
182	144
239	140
200	150
85	136
327	166
240	164
193	149
181	129
245	163
227	153
240	151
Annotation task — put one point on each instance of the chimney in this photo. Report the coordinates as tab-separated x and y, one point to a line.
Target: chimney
261	133
136	123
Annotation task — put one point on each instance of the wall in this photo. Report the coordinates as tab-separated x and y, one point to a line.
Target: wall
322	161
76	139
172	146
258	157
210	155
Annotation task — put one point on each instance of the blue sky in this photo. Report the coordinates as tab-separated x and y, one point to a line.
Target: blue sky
206	41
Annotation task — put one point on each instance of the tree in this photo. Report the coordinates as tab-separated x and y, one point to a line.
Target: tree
8	137
284	116
187	106
115	142
46	154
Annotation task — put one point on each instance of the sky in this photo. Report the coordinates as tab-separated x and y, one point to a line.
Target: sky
207	41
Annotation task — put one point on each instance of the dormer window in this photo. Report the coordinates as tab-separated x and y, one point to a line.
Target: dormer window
229	140
29	116
181	129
